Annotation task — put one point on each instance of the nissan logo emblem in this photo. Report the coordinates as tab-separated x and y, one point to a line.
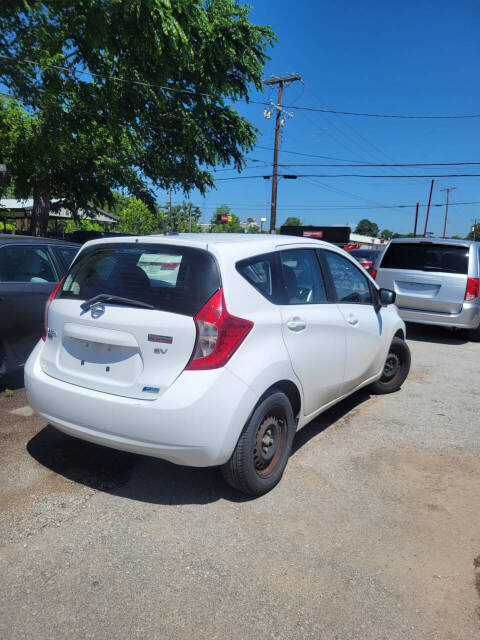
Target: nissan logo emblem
97	310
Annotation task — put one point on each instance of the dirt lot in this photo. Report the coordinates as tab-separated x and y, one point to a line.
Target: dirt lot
372	533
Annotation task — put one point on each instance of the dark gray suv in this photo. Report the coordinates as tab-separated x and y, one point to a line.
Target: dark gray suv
29	270
437	281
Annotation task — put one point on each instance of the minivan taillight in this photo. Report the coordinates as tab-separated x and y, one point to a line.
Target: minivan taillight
473	289
373	273
47	306
218	334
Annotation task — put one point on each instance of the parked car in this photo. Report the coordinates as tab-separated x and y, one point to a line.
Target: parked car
436	281
366	257
30	268
248	339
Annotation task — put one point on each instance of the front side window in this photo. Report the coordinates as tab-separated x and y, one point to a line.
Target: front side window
26	263
302	277
170	278
350	284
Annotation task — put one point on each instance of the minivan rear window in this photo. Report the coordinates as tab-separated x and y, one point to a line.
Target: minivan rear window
170	278
426	257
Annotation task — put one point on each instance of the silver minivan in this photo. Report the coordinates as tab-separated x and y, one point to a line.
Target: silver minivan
436	280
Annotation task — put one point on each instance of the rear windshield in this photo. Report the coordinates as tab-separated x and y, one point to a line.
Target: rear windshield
426	257
170	278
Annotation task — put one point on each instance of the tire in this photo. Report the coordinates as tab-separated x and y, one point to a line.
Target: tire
396	368
261	455
474	334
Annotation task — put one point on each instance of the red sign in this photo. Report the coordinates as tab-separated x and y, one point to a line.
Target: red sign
313	234
224	217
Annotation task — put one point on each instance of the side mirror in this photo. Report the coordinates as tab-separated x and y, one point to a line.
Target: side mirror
386	297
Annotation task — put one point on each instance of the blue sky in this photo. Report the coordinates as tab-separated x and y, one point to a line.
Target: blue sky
374	56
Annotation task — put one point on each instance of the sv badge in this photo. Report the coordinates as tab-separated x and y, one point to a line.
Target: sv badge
162	351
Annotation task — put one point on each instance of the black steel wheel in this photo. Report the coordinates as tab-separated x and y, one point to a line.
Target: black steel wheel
264	446
395	369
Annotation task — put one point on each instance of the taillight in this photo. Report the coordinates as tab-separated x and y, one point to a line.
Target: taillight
373	273
366	264
473	288
47	305
218	334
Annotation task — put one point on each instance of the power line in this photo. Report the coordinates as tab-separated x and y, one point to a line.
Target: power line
308	155
406	164
193	92
360	175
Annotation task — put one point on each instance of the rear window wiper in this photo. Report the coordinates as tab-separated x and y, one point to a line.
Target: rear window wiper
106	297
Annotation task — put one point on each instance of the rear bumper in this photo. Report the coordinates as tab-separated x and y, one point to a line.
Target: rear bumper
196	422
468	318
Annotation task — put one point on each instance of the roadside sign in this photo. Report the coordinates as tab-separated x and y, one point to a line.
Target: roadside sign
312	234
337	235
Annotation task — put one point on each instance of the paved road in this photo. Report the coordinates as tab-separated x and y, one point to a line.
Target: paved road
372	533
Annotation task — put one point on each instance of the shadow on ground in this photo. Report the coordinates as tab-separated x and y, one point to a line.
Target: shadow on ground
149	479
438	335
12	381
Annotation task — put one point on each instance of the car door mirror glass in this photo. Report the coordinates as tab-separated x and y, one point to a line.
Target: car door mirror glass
387	296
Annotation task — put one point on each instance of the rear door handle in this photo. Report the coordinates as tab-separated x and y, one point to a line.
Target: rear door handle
296	324
352	320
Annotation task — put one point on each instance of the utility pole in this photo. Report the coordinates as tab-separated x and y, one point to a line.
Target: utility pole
171	221
448	189
416	220
428	209
282	81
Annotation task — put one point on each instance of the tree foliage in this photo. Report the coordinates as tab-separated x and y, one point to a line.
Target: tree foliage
386	233
474	233
185	217
367	228
225	227
124	93
136	218
292	222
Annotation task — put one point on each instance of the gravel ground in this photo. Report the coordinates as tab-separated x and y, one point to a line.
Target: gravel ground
373	533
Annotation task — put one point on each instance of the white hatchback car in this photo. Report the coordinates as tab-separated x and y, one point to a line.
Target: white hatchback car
211	349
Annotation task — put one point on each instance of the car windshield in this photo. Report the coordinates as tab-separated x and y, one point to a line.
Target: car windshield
426	256
169	278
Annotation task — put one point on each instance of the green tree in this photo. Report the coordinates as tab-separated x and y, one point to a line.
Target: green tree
185	217
474	233
132	94
386	233
253	228
292	222
137	218
225	227
367	228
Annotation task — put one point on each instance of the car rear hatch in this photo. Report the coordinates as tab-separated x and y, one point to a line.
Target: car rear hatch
427	276
123	320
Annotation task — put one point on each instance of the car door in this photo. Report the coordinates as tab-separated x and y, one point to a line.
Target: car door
355	301
313	328
27	277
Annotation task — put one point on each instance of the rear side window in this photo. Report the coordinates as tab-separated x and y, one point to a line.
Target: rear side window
426	257
302	276
64	254
26	263
260	272
171	278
